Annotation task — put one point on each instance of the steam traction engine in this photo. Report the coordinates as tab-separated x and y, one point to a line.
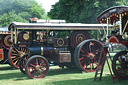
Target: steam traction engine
117	17
5	44
36	45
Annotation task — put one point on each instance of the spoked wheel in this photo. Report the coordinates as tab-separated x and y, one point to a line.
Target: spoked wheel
36	67
87	54
77	37
120	64
15	54
22	62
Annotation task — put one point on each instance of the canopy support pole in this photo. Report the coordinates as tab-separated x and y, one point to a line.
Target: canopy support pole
120	18
107	27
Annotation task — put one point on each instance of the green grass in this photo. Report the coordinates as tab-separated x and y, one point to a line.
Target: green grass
56	76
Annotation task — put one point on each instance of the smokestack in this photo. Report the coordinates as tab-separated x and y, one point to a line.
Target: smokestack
33	20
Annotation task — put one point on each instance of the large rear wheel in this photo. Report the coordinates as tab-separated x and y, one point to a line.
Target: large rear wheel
87	54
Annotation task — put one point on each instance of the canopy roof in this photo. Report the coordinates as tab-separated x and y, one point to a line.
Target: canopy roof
4	28
112	14
63	26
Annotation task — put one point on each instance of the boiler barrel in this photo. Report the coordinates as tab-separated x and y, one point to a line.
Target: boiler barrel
44	51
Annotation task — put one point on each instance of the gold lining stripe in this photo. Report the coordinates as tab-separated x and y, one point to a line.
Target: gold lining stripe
15	36
42	50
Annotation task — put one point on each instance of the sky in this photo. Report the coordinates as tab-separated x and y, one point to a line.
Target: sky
46	4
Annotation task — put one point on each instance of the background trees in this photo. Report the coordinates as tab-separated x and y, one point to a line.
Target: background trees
78	11
81	11
19	10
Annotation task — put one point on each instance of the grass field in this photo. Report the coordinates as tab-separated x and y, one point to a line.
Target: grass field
56	76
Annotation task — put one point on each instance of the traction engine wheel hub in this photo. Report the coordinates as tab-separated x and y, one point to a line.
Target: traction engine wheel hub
91	56
21	54
37	67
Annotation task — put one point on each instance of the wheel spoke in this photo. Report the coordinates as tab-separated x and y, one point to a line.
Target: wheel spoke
32	65
16	62
81	58
82	50
37	61
82	61
42	69
83	55
85	50
96	63
40	73
37	73
16	49
17	58
32	61
13	57
15	54
33	72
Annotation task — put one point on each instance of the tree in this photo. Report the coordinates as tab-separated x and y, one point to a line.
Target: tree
20	10
7	18
123	2
81	11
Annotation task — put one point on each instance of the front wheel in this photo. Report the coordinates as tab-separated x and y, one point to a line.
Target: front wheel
36	67
120	64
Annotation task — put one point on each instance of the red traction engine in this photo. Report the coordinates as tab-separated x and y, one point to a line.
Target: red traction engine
117	17
5	44
36	46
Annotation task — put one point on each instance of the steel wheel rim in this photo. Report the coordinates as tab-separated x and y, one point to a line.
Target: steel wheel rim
37	68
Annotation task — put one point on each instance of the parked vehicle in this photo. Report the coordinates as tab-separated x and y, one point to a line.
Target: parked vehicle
5	44
118	17
36	45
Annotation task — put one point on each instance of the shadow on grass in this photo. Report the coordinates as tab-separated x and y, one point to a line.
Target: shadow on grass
7	72
11	73
16	75
106	80
53	72
7	68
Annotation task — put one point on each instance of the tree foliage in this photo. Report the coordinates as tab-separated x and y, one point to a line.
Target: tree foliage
80	11
19	10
